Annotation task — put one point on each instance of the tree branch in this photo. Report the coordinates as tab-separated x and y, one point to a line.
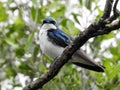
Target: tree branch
96	29
107	9
116	13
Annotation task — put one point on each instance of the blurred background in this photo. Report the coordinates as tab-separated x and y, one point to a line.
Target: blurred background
21	60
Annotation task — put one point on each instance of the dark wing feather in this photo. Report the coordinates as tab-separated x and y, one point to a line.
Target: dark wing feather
58	37
81	59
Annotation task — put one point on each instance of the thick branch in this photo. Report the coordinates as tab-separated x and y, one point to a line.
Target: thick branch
93	30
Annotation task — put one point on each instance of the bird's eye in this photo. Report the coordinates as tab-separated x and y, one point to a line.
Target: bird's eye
53	22
44	21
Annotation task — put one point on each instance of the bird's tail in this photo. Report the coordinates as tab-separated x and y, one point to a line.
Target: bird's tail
82	60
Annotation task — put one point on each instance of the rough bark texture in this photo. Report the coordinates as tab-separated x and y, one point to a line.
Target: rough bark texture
96	29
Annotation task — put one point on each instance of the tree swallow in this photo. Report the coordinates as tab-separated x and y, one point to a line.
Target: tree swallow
53	42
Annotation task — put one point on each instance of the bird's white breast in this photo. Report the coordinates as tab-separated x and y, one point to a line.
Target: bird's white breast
47	46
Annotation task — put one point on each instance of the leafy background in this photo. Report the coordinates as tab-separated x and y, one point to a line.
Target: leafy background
21	60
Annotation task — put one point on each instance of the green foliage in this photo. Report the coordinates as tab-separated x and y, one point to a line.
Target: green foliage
20	53
67	79
88	4
3	14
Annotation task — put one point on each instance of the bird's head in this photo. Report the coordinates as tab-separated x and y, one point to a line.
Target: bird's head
49	23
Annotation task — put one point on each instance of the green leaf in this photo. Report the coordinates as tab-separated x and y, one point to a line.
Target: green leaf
35	53
42	67
29	44
81	2
38	14
18	23
71	29
114	50
88	4
25	67
11	42
11	71
111	35
75	17
59	12
113	72
119	17
30	38
3	14
20	52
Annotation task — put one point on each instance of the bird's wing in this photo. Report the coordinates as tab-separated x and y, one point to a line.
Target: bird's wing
58	37
81	59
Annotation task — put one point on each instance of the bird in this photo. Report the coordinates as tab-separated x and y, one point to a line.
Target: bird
53	41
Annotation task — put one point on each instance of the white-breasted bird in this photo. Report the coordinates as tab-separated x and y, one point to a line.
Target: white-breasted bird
53	41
